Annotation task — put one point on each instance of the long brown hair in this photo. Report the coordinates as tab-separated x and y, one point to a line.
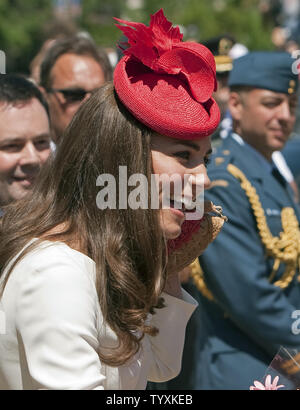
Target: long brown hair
127	245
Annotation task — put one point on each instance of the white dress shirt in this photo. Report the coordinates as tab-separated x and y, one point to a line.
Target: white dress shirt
54	326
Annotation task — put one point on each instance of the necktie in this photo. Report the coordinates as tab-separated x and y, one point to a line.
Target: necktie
278	176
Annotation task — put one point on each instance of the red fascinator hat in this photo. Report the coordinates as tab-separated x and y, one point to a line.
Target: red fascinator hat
166	83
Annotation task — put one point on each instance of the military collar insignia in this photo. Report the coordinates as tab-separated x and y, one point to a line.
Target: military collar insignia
292	86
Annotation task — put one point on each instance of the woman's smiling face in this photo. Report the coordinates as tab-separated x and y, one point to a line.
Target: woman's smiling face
178	157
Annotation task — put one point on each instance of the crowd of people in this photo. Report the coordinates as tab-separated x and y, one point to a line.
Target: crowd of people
118	298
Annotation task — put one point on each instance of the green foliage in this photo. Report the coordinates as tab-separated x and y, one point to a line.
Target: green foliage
97	20
204	19
21	28
23	23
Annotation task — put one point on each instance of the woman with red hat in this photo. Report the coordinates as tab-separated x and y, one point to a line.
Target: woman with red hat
91	298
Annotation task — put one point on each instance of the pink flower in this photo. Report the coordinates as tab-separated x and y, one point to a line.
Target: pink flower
268	385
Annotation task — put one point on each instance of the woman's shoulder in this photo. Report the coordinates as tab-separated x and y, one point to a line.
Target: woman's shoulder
59	250
54	261
52	288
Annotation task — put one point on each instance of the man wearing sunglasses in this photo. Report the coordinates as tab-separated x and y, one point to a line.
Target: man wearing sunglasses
71	70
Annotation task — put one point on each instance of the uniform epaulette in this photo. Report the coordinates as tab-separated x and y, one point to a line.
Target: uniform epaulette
218	166
220	158
218	182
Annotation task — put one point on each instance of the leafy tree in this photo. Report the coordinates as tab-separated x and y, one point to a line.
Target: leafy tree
21	28
205	19
25	24
97	19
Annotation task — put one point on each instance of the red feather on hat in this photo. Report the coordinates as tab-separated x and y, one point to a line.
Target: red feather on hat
160	48
147	44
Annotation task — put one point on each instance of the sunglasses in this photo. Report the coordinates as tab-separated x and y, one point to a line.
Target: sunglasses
71	95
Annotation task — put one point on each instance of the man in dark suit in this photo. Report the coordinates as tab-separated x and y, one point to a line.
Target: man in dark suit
247	283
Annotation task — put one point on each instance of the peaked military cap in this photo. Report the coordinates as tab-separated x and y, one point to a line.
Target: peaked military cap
220	47
268	70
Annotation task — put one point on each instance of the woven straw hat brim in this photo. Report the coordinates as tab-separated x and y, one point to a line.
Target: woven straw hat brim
209	228
163	102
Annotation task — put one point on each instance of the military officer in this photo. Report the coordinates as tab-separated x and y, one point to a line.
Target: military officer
220	47
247	283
